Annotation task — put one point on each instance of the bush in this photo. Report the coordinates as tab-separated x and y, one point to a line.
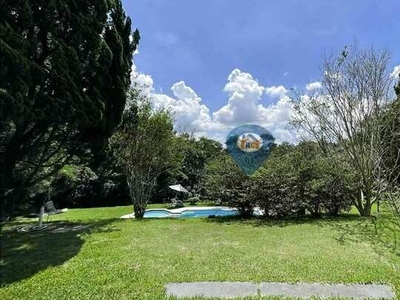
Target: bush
80	187
193	200
276	184
296	179
225	181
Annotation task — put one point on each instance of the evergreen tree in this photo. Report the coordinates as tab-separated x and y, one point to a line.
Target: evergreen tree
64	72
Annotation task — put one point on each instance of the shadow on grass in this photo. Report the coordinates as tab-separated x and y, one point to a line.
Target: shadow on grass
292	221
24	254
380	231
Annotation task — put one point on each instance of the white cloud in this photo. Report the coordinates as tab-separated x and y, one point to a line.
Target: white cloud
186	108
276	118
244	93
143	81
244	105
313	86
275	91
396	71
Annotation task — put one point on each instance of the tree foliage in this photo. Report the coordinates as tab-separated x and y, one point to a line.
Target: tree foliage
391	138
224	181
64	72
391	158
295	179
196	153
347	111
143	146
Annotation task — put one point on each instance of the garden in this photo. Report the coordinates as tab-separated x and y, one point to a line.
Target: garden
110	258
82	144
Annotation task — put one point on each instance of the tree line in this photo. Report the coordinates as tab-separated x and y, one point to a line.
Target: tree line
73	128
64	74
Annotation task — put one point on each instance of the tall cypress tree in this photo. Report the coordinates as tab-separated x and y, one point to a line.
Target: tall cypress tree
64	73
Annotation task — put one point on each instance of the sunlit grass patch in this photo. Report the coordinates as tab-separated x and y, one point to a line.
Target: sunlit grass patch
130	259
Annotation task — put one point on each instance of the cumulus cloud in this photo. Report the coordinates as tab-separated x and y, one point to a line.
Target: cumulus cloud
396	71
186	107
244	93
276	117
244	105
275	91
313	86
143	81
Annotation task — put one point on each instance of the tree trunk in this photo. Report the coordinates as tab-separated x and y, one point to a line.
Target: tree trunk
365	211
301	212
12	200
11	205
139	211
316	213
140	189
41	214
7	185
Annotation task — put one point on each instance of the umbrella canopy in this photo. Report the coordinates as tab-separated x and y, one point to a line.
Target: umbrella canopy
179	188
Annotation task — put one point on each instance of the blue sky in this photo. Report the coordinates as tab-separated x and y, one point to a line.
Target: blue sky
277	43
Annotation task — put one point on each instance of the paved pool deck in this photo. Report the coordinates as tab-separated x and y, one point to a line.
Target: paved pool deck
226	290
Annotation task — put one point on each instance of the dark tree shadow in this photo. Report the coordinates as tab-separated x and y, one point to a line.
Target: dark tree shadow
381	232
24	254
283	222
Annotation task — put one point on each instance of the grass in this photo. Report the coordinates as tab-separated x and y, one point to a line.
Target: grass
99	213
130	259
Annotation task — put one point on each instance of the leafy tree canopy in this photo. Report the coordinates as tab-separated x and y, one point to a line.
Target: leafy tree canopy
64	72
144	148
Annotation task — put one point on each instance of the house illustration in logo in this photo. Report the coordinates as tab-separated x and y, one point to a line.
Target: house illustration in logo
249	142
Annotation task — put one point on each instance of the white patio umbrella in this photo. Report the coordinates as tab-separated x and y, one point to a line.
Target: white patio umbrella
178	188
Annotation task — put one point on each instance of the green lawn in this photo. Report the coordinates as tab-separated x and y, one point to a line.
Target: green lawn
130	259
86	215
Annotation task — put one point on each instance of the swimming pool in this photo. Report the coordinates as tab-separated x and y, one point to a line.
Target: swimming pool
195	212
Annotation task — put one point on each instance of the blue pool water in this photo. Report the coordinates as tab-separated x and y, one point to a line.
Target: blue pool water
157	214
218	212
